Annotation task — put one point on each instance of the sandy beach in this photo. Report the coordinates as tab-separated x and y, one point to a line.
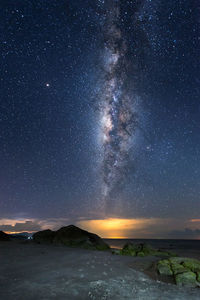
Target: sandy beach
31	271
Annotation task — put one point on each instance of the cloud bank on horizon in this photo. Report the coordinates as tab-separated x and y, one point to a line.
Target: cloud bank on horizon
112	227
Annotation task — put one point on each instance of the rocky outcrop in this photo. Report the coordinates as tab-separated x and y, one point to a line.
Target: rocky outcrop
71	236
45	236
143	250
74	236
4	237
186	271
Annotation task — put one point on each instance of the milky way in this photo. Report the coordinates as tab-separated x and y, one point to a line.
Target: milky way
118	115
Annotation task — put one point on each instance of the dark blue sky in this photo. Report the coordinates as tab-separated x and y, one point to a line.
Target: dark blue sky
52	70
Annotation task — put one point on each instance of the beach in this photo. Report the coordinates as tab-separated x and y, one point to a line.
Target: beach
33	271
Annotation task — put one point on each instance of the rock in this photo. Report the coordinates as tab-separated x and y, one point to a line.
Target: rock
176	260
4	237
186	271
45	236
116	251
164	267
137	249
146	250
178	268
192	264
71	236
143	250
186	279
188	263
198	276
130	249
76	237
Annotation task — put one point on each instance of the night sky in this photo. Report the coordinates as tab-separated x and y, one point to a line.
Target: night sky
100	115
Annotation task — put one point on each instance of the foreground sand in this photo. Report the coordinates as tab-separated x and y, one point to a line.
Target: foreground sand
30	271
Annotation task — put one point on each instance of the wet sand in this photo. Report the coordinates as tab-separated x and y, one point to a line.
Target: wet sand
30	271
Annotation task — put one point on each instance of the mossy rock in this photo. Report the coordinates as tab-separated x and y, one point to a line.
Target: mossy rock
147	249
116	251
186	279
164	267
189	263
186	271
137	250
192	264
143	250
177	260
128	252
130	249
198	276
178	268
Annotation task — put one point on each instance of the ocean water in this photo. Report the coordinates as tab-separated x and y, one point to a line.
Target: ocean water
157	243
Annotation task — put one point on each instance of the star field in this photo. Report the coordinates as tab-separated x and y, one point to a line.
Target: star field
99	110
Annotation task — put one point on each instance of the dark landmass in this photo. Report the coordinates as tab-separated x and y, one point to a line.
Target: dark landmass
4	237
71	236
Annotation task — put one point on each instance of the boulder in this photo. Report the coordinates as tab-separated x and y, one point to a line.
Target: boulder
164	267
186	271
178	268
130	249
137	249
143	250
198	276
76	237
71	236
116	251
192	264
45	236
186	279
4	237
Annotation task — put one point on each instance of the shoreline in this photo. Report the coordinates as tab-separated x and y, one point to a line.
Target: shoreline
35	271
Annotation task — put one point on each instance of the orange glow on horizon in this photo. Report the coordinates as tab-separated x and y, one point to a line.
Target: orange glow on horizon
117	228
16	232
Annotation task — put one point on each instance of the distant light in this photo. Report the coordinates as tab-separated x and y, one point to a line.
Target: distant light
119	228
47	84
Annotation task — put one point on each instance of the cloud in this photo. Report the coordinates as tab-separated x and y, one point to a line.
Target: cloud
186	233
21	226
